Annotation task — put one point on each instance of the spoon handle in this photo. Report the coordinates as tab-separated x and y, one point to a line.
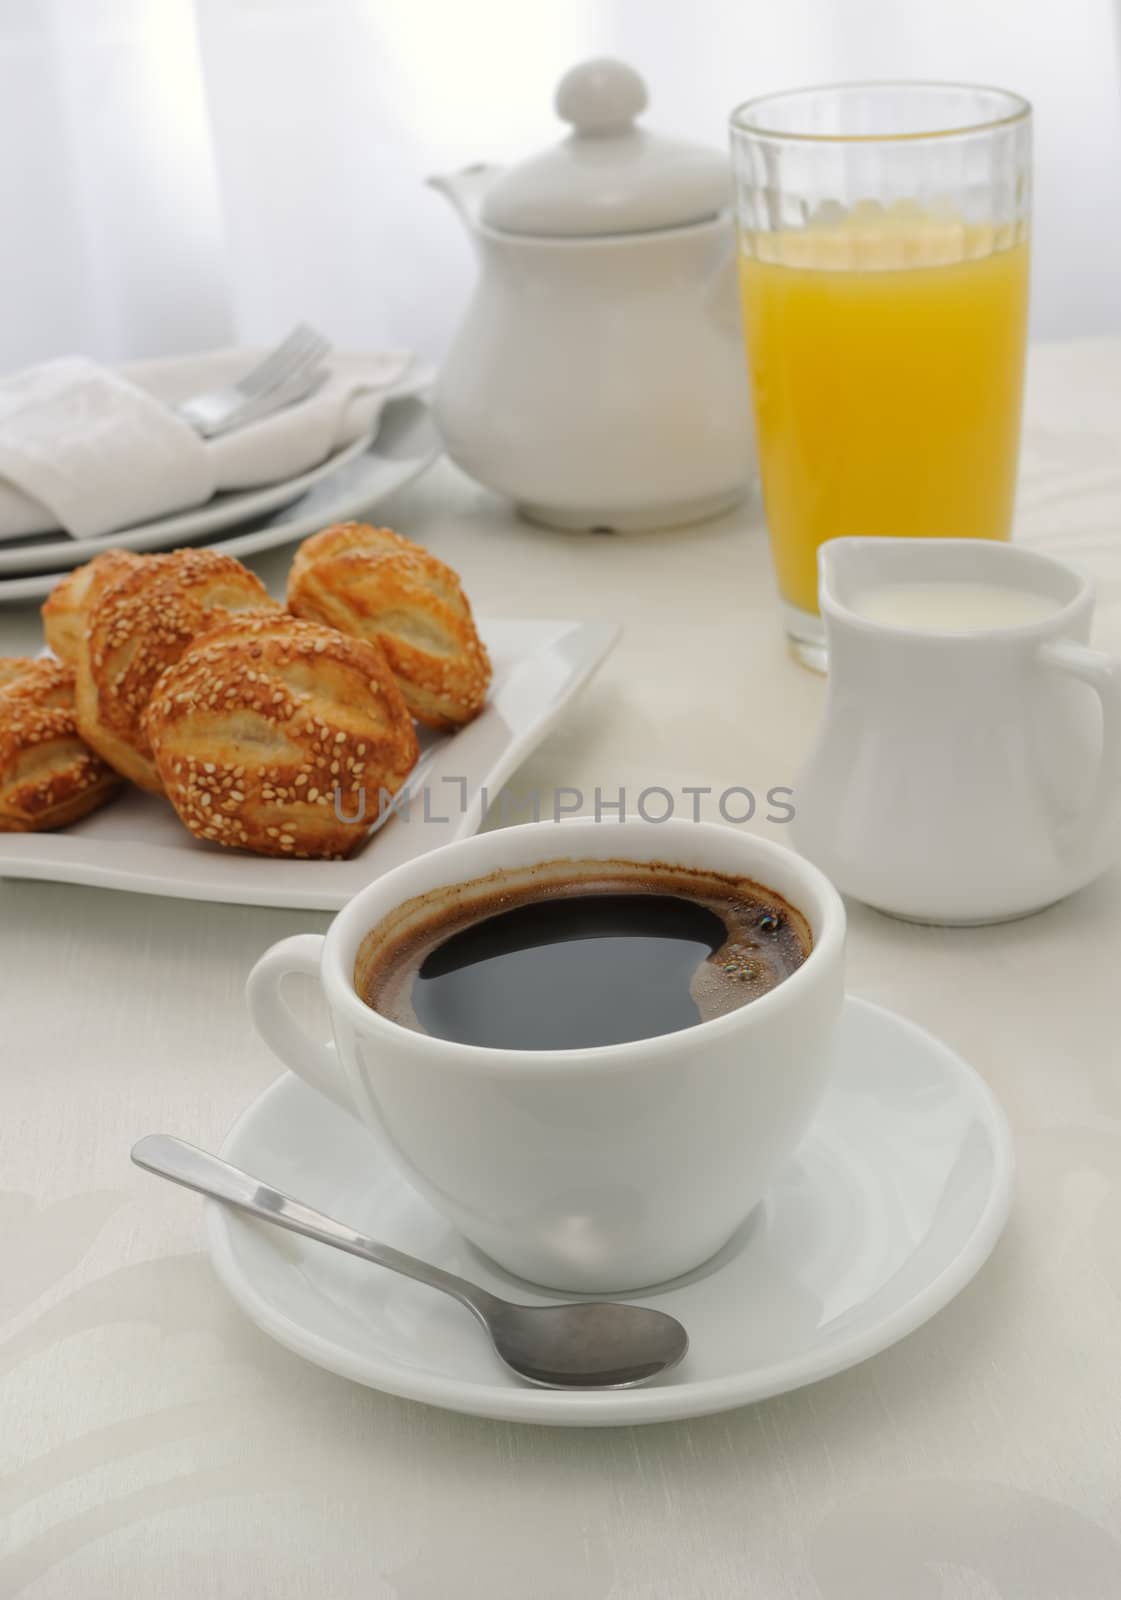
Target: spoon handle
196	1169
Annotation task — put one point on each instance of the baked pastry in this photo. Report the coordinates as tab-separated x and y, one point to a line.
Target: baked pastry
37	680
139	625
13	667
280	736
66	609
48	776
374	585
343	536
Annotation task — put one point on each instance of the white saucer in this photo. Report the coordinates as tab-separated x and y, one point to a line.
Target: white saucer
892	1203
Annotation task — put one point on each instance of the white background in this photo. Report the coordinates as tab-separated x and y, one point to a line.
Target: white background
177	173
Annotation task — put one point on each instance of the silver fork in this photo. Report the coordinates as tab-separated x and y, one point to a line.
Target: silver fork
289	373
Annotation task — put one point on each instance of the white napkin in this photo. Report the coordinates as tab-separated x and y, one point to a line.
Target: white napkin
91	451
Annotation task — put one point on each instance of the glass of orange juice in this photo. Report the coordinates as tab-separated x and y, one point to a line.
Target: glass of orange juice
884	282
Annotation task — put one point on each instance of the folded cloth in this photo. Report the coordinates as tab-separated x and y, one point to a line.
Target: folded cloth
95	451
91	451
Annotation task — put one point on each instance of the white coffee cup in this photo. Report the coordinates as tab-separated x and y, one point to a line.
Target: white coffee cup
590	1170
962	774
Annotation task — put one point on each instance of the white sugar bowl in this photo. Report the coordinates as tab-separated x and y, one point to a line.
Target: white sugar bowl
598	378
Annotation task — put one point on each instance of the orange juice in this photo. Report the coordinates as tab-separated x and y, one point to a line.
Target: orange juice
887	369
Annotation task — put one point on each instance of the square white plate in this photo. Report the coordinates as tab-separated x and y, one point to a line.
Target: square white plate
136	842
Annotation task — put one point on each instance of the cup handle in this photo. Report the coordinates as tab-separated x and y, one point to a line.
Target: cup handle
1103	673
316	1061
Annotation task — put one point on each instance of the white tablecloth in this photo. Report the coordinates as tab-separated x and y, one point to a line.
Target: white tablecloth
153	1443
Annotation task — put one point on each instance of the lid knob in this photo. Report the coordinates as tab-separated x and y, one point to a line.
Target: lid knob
600	96
610	176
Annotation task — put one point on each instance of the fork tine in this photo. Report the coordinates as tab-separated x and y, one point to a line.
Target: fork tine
313	344
271	371
293	352
257	405
300	358
289	393
274	360
314	349
219	410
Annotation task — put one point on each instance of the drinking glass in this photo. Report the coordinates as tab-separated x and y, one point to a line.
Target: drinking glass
884	282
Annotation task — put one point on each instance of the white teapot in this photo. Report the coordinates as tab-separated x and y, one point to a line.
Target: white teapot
599	376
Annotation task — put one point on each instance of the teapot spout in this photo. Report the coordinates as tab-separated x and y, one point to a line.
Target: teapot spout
465	189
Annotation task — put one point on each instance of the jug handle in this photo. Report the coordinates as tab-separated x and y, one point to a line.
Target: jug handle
1102	672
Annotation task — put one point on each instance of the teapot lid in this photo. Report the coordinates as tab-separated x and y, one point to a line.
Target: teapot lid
608	176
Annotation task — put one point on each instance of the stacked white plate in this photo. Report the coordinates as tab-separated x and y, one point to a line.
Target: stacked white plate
350	482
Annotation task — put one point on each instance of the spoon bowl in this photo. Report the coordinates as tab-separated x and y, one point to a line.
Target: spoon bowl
590	1344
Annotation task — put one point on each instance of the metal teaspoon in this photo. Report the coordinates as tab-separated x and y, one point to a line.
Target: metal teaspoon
583	1344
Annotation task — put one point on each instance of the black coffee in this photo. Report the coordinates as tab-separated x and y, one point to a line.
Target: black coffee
578	953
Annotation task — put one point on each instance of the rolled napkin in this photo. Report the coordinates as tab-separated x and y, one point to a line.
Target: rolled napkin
91	450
